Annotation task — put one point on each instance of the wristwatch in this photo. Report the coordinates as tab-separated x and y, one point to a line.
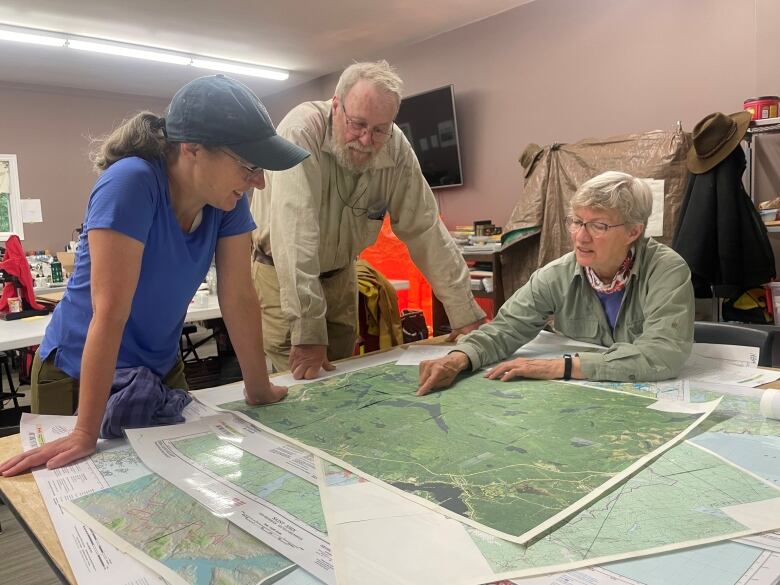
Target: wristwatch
567	366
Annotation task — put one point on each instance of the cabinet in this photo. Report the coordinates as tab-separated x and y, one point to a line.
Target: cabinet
441	324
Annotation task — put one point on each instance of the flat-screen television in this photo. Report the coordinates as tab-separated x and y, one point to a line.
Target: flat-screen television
428	121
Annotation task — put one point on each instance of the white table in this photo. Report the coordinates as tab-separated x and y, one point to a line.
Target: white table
26	332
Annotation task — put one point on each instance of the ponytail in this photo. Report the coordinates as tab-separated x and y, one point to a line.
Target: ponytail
143	135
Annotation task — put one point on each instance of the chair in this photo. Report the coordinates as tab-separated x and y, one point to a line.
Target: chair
5	364
186	346
727	334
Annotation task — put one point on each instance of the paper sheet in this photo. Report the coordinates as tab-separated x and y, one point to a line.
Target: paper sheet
240	487
92	560
414	354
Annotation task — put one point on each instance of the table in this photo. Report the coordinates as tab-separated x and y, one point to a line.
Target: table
23	498
26	332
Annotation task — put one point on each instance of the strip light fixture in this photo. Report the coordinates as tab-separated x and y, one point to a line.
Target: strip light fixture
47	38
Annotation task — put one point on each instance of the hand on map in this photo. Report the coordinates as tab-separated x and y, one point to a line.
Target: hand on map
306	361
76	445
441	373
538	369
466	329
268	395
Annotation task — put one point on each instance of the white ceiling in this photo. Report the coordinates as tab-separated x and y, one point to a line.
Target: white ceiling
310	38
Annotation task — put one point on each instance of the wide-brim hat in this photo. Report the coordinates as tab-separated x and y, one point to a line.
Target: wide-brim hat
714	138
529	156
219	111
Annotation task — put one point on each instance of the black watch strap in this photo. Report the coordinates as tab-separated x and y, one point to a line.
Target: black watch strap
567	361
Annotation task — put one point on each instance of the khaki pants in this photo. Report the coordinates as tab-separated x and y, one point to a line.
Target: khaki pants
341	315
54	392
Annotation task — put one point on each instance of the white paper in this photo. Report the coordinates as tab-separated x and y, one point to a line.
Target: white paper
286	534
714	371
655	224
31	210
768	541
733	355
414	354
92	560
372	529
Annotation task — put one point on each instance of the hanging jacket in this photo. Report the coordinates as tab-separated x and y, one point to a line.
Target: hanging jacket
15	263
720	234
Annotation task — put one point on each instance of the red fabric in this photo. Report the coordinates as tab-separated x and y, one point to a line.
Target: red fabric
15	263
390	256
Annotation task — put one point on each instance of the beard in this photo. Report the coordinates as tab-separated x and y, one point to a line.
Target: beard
342	151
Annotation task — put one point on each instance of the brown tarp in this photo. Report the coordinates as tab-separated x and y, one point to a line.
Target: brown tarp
557	171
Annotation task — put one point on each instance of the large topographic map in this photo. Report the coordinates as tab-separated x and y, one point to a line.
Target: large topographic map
503	457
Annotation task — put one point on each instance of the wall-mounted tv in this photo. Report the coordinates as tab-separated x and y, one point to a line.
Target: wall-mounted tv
428	121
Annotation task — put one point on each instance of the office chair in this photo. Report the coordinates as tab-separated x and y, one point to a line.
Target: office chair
726	334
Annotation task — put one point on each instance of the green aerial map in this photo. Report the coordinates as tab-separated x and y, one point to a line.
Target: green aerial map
169	526
508	456
257	476
679	498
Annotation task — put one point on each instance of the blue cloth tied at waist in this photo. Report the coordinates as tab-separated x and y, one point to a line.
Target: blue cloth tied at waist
140	399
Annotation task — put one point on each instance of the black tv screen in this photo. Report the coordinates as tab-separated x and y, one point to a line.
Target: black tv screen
428	121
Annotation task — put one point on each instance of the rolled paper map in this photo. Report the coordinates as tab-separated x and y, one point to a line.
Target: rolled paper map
770	404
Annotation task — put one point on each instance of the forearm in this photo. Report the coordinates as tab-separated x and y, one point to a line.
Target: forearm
98	364
642	361
439	259
517	322
242	317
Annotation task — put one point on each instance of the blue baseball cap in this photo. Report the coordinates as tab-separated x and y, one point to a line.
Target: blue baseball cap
219	111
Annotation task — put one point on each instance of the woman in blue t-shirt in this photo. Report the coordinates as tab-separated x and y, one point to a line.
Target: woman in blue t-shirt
170	198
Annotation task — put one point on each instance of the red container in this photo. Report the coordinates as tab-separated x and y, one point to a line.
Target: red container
762	107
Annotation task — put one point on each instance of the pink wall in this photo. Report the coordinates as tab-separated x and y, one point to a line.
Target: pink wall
48	129
551	70
563	70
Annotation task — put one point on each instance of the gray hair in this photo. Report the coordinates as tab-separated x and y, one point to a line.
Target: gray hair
380	73
629	196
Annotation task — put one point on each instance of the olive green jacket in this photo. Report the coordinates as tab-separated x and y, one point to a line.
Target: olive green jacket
653	331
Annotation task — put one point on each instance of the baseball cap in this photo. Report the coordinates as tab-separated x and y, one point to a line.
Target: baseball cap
219	111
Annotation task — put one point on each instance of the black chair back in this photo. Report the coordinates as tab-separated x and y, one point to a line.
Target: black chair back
727	334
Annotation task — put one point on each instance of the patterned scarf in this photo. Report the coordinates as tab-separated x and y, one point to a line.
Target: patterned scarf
618	283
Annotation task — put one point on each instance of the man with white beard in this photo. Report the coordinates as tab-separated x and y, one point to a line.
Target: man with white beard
315	219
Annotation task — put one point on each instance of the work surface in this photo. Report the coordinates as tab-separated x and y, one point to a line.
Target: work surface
26	332
23	494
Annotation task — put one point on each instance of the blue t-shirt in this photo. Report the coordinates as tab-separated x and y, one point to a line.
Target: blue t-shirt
611	303
132	198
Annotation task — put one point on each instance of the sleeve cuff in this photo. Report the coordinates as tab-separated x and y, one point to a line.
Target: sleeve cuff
472	353
464	314
309	332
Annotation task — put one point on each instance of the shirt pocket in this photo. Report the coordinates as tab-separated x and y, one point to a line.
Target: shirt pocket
579	329
634	329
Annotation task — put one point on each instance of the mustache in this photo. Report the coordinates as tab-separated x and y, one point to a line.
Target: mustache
355	145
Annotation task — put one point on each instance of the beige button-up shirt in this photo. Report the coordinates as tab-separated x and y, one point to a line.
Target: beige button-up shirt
319	216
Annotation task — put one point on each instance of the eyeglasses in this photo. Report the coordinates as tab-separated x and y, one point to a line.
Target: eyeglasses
596	229
378	134
253	170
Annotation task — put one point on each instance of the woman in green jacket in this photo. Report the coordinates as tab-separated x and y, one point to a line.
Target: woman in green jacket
617	288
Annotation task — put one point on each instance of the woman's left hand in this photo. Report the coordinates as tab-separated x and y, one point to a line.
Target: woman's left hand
539	369
272	393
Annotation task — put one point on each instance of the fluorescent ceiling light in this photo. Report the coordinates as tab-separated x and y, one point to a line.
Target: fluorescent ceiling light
41	37
128	51
252	70
31	38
